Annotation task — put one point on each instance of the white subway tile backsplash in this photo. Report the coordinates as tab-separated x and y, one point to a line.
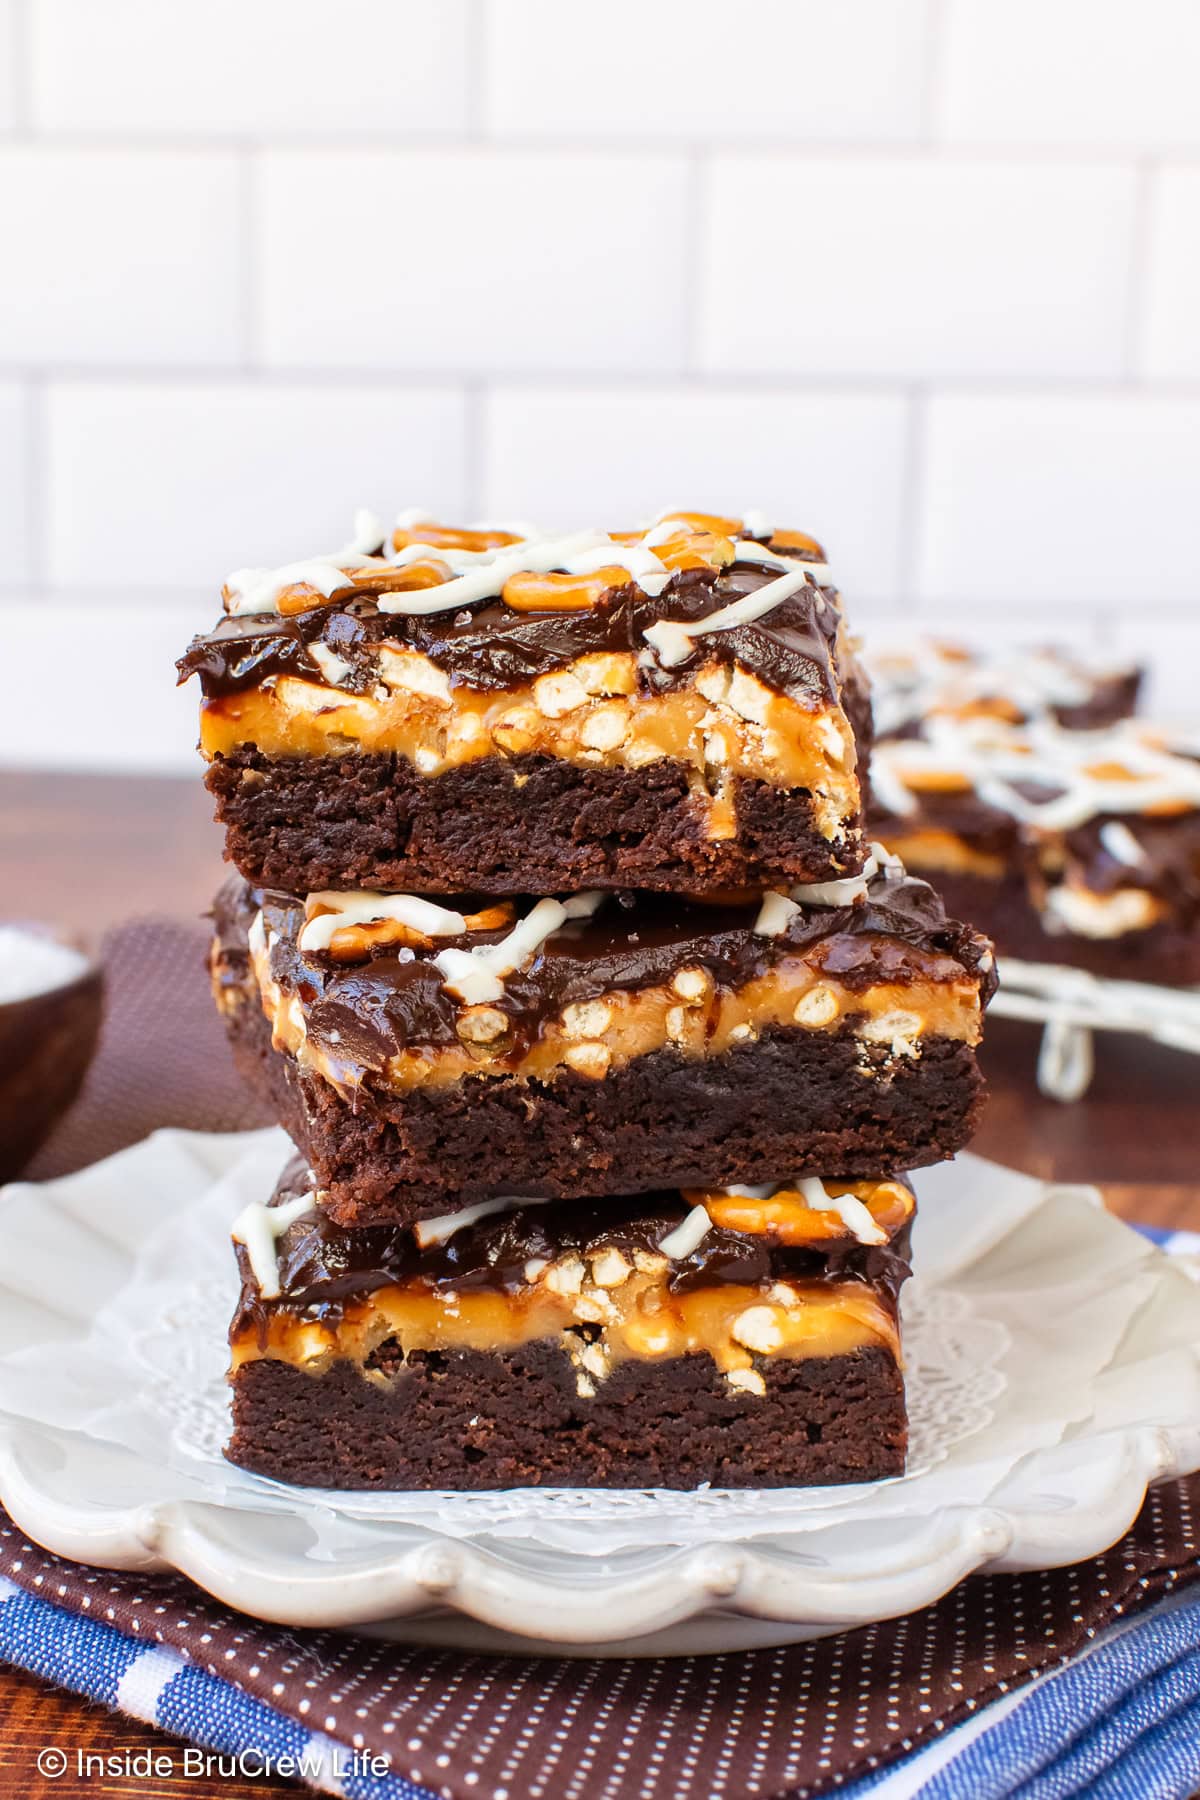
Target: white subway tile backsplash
473	260
1079	502
1106	73
116	705
907	266
291	68
175	485
699	69
14	490
119	257
829	463
1170	653
10	74
1170	340
923	277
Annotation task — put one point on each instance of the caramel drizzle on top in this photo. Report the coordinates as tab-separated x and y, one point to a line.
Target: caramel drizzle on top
677	541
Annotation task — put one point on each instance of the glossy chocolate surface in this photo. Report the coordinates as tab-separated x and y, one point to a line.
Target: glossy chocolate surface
793	648
322	1266
361	1015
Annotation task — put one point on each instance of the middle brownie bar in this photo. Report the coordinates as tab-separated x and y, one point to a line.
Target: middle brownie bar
605	1044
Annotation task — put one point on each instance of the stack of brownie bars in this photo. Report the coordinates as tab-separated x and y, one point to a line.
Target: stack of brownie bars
603	1034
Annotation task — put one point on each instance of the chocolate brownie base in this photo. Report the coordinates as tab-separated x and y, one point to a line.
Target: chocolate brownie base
1168	954
526	824
477	1419
793	1103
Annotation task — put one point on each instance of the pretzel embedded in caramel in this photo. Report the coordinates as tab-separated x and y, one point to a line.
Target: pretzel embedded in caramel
787	1217
529	592
354	943
451	537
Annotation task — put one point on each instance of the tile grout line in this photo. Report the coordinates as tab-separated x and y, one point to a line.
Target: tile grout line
794	384
1033	155
1138	290
697	206
913	499
20	46
37	474
249	275
933	70
477	54
475	396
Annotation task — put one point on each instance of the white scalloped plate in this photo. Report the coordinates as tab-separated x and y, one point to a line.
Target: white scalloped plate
1053	1374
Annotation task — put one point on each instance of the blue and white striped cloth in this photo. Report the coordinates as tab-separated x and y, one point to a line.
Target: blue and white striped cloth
159	1687
1119	1722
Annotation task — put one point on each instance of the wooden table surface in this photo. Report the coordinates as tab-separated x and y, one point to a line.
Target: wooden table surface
85	852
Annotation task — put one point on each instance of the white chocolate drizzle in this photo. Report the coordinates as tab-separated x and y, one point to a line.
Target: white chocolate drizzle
673	641
1120	843
778	910
441	1229
475	976
258	590
913	679
337	911
687	1236
481	574
998	760
775	914
260	1228
849	1209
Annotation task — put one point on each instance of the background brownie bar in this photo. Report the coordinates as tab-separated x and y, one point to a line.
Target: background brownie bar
653	1043
576	713
914	680
1065	847
629	1344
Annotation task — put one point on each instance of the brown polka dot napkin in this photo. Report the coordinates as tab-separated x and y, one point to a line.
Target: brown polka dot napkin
762	1723
788	1722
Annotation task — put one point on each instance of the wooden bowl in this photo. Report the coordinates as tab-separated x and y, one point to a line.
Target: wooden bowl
47	1041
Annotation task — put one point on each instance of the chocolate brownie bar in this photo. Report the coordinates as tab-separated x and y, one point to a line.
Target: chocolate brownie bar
1065	846
457	710
913	680
743	1339
608	1044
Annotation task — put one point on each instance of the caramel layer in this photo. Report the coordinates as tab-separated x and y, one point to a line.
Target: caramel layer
692	1014
630	1314
723	725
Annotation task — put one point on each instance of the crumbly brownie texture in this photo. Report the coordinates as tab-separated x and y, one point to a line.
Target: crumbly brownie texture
1067	847
470	1419
627	1344
668	1046
807	1101
682	679
505	825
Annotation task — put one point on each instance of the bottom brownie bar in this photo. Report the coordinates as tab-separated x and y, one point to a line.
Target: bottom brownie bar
742	1339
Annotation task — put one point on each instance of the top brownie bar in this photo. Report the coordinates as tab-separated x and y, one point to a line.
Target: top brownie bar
436	710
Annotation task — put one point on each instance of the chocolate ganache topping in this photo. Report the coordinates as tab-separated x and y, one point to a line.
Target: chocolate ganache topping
490	646
323	1267
362	1015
